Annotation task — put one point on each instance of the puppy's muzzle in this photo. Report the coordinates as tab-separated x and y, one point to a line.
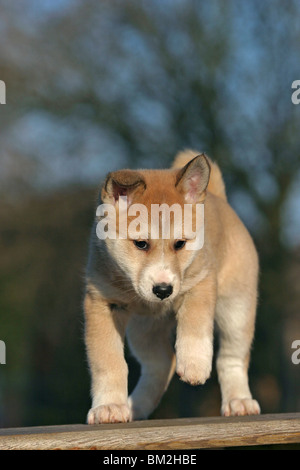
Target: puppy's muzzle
163	290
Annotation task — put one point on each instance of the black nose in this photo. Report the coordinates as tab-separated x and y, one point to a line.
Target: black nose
163	290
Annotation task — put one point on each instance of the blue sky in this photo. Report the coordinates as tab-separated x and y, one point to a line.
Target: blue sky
65	150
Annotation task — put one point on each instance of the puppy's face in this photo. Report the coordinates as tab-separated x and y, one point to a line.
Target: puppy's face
157	225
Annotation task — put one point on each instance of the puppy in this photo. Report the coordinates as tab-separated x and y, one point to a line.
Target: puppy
147	286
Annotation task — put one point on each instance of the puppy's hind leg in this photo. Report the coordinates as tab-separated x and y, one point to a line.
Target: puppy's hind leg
235	318
150	342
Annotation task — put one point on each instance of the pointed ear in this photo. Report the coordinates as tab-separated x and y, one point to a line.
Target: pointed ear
122	183
192	179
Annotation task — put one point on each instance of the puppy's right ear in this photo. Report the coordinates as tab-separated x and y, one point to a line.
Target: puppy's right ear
193	178
122	183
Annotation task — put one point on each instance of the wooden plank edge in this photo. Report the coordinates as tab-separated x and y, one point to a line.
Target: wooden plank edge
195	433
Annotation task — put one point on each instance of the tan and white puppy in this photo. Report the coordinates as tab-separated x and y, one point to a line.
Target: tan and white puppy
145	287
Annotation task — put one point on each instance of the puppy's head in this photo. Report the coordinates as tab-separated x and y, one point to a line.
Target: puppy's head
153	217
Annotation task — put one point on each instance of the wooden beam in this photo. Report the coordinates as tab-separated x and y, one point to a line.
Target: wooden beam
175	434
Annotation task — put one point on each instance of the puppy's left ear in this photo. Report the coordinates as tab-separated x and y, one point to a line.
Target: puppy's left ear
122	183
193	178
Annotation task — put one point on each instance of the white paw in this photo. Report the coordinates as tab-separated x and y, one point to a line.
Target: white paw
241	407
194	360
194	372
111	413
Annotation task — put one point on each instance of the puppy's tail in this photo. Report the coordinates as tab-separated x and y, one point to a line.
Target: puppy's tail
216	184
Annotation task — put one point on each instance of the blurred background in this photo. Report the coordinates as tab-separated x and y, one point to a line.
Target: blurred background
93	86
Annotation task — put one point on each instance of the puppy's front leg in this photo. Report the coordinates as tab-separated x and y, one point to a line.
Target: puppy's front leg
104	338
194	341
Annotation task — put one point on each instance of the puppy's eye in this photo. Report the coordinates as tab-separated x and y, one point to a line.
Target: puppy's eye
141	244
179	244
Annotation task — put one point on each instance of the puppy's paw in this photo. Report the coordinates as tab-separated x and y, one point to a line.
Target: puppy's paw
194	360
111	413
241	407
192	371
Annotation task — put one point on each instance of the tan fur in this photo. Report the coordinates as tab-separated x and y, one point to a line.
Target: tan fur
216	284
216	184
